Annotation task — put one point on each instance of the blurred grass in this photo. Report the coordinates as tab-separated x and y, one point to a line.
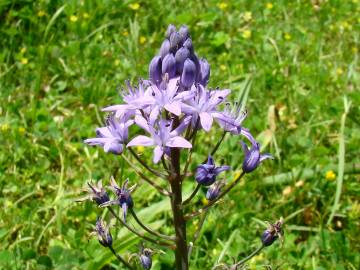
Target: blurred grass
61	62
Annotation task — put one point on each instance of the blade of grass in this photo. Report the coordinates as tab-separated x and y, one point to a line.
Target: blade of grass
341	164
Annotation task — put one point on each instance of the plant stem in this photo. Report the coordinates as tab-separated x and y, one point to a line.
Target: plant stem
166	237
142	162
211	203
146	179
121	259
249	257
157	242
188	200
181	253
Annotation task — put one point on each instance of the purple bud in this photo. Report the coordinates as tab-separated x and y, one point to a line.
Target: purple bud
188	44
195	59
103	233
175	42
171	28
273	232
214	191
206	173
189	73
168	65
204	72
165	48
180	58
184	33
155	69
253	158
145	259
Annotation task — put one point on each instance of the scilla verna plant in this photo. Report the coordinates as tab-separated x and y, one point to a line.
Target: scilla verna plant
171	108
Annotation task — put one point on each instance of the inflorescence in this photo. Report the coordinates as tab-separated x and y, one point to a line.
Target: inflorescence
170	108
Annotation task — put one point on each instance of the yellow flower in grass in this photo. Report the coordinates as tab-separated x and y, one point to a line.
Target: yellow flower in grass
23	50
142	40
4	127
73	18
330	175
287	36
21	130
125	33
246	34
269	5
222	5
117	62
134	6
140	149
339	71
24	61
223	67
86	15
247	16
41	13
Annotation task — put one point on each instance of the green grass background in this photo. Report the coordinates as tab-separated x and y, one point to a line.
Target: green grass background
296	63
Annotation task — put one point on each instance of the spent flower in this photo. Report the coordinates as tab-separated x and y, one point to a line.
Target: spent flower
103	233
273	232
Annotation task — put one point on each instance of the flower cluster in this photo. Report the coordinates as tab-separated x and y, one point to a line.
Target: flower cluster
176	89
170	108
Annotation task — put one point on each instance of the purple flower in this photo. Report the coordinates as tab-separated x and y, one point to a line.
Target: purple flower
204	105
96	193
206	173
162	135
253	158
169	98
273	232
145	258
232	118
204	73
169	66
113	136
123	194
188	73
214	191
103	233
155	70
135	99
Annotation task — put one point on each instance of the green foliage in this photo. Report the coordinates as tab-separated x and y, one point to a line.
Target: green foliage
291	62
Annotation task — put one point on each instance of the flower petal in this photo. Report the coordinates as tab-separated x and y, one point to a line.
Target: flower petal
206	120
174	107
141	140
265	156
158	153
178	141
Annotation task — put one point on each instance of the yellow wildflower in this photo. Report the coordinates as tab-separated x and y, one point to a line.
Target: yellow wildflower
41	13
139	149
204	201
4	127
299	183
222	5
117	62
21	130
142	40
86	15
24	61
246	34
223	67
287	36
125	33
330	175
339	71
269	5
247	16
73	18
134	6
23	50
